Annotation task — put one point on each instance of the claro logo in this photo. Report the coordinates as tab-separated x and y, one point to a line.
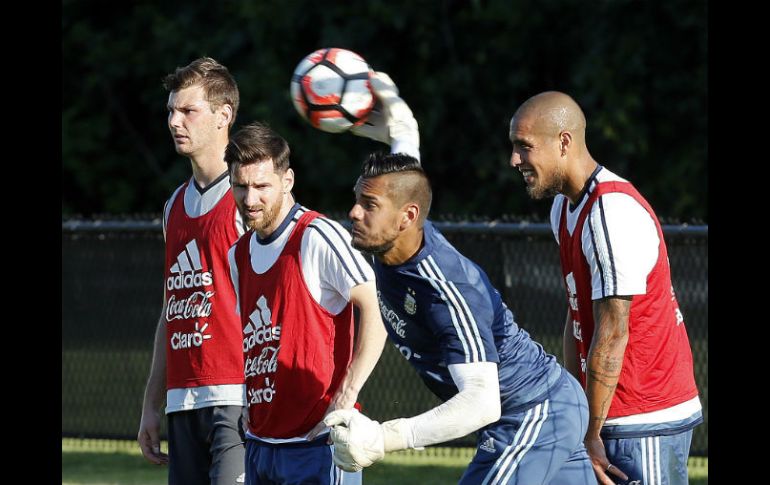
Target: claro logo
182	340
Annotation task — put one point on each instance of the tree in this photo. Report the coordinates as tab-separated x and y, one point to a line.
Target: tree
638	69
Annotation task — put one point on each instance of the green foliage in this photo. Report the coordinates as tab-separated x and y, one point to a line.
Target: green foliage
637	68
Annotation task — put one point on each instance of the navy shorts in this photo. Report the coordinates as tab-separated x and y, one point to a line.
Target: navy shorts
539	445
305	462
651	460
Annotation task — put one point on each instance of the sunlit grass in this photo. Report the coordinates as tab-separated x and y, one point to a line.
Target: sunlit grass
103	462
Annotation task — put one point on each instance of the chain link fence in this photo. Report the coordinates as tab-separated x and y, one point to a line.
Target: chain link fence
112	288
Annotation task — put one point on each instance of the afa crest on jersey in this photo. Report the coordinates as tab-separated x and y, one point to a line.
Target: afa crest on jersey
410	304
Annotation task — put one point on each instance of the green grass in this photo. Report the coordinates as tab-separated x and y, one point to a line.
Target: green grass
95	462
107	462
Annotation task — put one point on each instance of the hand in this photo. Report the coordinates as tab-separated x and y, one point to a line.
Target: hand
602	465
341	400
245	419
358	441
391	120
149	440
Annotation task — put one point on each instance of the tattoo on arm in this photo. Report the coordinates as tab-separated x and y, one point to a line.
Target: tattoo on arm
605	358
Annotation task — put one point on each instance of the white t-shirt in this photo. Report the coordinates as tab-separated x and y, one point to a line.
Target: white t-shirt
620	240
330	265
198	202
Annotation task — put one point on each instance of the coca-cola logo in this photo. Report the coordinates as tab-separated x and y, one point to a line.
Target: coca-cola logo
266	363
396	323
197	305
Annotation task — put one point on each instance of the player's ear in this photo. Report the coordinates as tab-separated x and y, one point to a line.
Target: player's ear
410	213
287	180
224	115
565	141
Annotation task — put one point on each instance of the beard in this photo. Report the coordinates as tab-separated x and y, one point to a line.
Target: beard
371	247
538	192
548	187
269	215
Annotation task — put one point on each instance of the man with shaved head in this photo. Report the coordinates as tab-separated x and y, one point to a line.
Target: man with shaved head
449	322
624	335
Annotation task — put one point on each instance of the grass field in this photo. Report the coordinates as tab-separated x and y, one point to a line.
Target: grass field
95	462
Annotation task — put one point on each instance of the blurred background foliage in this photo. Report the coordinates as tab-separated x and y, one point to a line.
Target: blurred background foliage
638	69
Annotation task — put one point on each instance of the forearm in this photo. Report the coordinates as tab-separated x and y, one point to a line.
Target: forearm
570	352
370	341
154	392
359	441
369	345
605	358
476	405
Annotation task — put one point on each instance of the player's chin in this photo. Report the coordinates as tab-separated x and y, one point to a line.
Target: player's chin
253	222
371	247
536	191
362	244
182	149
358	242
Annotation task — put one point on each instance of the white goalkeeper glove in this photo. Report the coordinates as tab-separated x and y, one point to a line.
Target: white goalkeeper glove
391	120
360	441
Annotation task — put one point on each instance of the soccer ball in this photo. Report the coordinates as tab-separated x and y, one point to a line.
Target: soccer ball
330	89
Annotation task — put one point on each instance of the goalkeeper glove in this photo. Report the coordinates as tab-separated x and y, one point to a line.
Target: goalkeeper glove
360	441
391	120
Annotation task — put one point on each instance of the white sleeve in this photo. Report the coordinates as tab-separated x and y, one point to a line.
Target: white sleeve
239	226
330	265
556	209
167	209
165	219
475	405
234	277
620	242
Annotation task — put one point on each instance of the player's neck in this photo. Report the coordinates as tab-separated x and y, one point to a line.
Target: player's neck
209	165
405	247
577	178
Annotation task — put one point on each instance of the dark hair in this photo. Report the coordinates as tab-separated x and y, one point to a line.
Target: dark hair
257	142
382	164
218	84
411	183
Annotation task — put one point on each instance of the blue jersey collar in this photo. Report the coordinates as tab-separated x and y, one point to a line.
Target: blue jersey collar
277	233
428	235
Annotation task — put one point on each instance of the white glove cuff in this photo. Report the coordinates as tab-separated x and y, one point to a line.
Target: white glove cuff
405	146
397	435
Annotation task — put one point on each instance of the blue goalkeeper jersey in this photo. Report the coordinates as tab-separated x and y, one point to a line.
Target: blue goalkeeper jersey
439	308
